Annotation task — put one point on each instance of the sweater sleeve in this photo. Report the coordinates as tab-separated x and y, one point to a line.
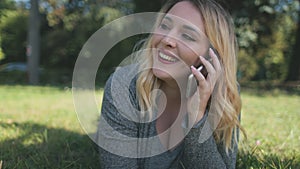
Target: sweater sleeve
208	154
116	133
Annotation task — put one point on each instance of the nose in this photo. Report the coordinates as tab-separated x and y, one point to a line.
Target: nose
169	41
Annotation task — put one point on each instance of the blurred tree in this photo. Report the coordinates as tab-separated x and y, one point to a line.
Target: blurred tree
265	31
4	6
13	30
2	56
33	48
74	21
294	64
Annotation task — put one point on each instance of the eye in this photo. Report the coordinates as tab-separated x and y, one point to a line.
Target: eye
188	37
164	26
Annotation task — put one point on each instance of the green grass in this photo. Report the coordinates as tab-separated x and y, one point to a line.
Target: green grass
39	129
271	120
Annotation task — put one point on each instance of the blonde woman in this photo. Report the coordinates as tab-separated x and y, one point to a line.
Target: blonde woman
156	117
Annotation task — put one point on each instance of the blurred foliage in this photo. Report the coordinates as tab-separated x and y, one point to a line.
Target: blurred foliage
266	35
265	30
6	4
1	54
13	32
264	54
71	24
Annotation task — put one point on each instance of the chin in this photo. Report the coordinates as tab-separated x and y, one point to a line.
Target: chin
161	74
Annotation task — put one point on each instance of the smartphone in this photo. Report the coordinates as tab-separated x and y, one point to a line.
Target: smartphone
193	83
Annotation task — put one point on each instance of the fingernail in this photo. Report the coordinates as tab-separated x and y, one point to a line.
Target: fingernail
210	49
202	58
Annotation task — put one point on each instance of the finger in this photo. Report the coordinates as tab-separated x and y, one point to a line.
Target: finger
198	75
215	59
209	67
212	75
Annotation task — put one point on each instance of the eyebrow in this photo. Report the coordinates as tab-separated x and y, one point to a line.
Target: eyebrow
184	26
168	18
191	29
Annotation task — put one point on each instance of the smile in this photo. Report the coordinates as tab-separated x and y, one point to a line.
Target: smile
167	58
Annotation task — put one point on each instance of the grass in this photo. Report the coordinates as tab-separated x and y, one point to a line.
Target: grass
272	123
39	129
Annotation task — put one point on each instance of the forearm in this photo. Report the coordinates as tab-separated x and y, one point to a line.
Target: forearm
207	153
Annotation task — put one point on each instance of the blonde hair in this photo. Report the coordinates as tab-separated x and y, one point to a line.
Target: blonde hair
225	100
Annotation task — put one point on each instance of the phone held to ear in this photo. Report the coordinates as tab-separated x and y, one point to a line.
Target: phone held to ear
192	82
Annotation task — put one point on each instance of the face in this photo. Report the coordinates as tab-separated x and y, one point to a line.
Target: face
178	41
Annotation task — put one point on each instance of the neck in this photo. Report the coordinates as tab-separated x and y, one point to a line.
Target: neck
171	90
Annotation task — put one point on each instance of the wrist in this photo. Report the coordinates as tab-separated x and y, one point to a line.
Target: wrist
200	114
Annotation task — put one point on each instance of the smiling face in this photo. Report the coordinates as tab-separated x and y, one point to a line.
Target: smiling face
178	41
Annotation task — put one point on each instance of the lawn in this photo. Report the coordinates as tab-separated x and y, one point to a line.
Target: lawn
39	129
271	120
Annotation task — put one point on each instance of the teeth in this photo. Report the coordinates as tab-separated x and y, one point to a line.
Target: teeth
167	58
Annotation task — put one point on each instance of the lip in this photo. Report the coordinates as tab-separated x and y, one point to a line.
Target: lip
168	53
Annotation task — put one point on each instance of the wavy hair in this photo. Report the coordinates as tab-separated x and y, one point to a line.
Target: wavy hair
225	101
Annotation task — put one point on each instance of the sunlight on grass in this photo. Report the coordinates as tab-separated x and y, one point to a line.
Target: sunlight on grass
43	105
272	125
273	120
40	129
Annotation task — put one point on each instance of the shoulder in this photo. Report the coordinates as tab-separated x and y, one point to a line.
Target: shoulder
122	79
120	89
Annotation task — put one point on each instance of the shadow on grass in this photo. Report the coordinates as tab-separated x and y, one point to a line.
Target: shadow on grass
36	146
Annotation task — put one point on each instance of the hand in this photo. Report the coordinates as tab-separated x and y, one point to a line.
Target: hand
205	87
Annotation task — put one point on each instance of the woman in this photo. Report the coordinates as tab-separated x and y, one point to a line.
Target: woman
161	126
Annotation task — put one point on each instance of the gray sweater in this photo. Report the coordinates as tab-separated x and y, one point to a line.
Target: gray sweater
128	141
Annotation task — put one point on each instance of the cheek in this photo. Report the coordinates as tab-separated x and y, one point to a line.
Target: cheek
189	56
156	38
190	53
